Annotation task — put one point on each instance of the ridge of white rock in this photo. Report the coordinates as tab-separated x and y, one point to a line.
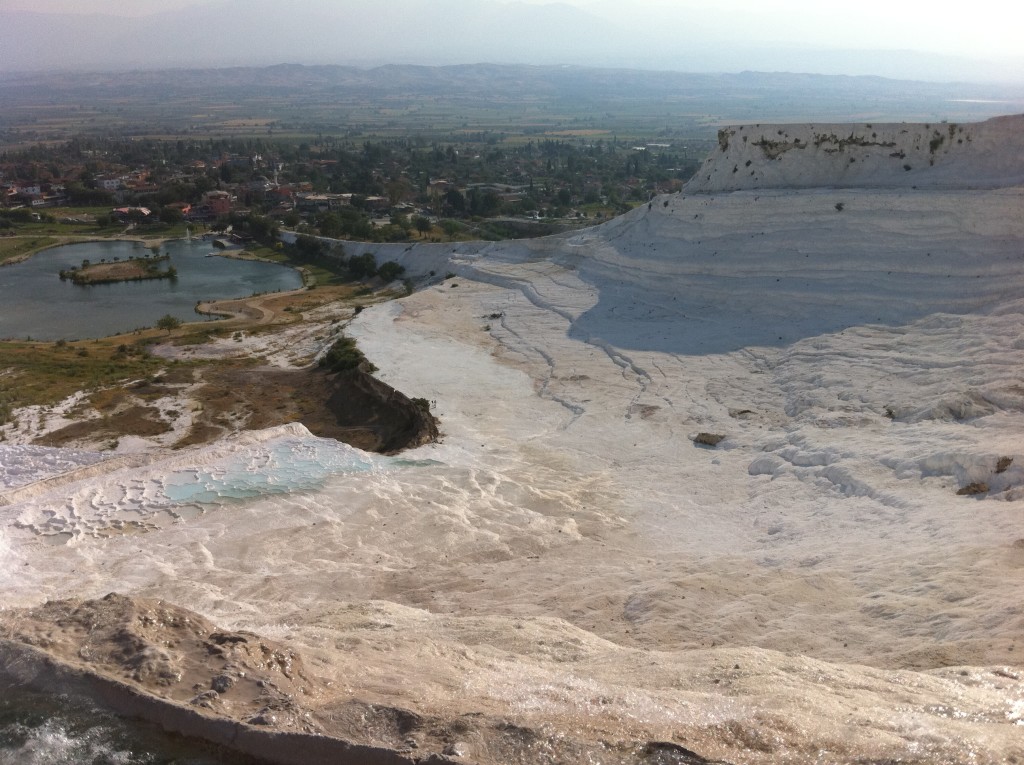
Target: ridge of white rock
940	155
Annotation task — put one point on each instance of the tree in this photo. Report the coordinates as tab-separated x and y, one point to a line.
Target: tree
485	205
455	202
261	228
81	194
390	271
330	226
19	215
402	221
398	190
360	266
171	215
168	322
422	224
309	246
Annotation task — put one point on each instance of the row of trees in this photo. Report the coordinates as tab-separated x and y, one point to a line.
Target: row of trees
364	266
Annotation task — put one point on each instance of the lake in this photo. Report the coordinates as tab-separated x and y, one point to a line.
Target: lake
35	303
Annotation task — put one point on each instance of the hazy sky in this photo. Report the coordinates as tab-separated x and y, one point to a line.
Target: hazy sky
767	35
126	8
976	28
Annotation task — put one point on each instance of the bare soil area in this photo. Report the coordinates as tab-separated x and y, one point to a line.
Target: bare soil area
349	407
222	393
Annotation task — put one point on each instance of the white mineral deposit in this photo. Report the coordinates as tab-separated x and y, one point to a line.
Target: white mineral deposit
738	474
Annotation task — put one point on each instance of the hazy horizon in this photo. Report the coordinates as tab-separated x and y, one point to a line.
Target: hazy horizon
909	40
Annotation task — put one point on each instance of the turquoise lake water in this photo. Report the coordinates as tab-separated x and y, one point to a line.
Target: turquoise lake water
35	303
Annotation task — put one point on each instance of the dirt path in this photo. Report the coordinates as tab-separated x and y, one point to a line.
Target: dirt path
253	311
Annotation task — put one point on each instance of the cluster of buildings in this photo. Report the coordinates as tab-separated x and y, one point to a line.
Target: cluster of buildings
203	190
33	195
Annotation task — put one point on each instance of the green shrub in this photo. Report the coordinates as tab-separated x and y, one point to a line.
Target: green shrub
168	322
344	356
360	266
390	271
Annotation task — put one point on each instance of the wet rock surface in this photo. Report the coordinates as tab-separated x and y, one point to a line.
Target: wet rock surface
173	667
174	654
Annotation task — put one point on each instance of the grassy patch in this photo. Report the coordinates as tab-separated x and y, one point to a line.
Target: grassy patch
53	224
47	373
317	274
200	333
15	247
160	231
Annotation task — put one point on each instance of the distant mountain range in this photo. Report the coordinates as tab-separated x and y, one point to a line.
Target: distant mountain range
712	98
435	32
259	32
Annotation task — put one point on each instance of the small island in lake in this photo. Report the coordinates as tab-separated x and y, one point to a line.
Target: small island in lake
130	270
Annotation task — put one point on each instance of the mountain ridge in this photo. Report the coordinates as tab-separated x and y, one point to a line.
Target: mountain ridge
487	78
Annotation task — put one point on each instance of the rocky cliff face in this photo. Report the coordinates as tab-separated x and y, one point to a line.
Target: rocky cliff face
987	154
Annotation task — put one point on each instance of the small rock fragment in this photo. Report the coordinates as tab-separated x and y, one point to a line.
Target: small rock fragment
204	699
978	487
263	718
456	749
708	439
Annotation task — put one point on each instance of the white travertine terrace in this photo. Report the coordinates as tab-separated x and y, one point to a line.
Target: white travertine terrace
838	580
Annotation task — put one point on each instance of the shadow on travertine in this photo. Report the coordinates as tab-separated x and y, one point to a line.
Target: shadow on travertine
697	274
790	231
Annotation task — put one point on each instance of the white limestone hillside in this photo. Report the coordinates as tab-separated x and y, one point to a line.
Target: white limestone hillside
902	155
736	473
